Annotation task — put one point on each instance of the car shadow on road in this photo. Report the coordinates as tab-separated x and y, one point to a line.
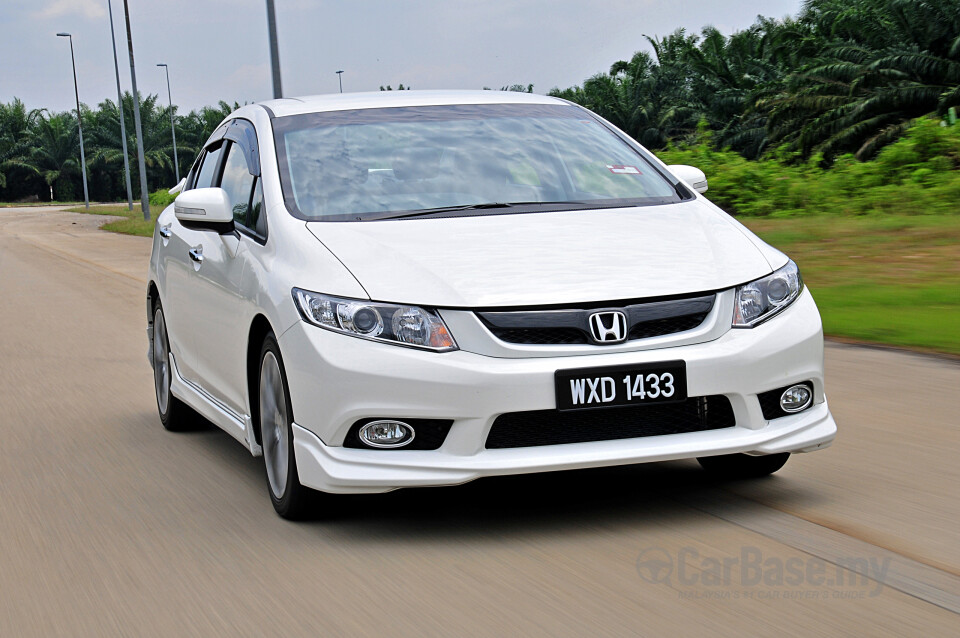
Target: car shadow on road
545	503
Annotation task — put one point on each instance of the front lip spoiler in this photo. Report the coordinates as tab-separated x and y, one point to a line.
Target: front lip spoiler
343	470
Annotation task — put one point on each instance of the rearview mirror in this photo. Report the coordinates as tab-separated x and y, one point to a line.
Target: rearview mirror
691	175
205	209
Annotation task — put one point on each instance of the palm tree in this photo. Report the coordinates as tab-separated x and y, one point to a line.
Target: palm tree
888	62
649	99
16	123
107	156
729	74
54	152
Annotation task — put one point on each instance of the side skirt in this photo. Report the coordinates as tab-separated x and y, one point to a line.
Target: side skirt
237	426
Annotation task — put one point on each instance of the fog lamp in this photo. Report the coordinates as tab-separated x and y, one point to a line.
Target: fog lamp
795	398
386	433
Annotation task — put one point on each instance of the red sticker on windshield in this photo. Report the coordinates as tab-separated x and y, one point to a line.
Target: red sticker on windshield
620	169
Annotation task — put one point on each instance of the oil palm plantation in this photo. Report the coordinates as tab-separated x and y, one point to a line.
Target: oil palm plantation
16	123
107	156
885	63
53	154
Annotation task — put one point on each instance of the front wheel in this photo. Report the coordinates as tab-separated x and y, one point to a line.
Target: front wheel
290	499
174	413
737	466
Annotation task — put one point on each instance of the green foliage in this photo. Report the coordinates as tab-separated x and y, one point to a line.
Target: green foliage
844	76
917	175
162	198
15	123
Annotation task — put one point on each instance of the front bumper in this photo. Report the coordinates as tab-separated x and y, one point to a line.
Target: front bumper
336	380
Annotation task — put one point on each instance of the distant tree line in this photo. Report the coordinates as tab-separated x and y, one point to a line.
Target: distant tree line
40	150
844	76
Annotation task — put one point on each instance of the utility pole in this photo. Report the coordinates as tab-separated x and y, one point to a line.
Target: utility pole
123	126
144	194
76	91
340	77
173	130
274	50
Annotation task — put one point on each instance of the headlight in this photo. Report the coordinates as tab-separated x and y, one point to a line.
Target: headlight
759	300
390	323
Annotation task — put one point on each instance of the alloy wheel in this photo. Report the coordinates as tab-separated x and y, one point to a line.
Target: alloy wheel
274	424
161	362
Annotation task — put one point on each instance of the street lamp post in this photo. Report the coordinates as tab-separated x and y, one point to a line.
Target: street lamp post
76	91
173	130
144	193
274	50
123	126
340	77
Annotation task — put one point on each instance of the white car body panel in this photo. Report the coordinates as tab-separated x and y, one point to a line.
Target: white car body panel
458	264
514	260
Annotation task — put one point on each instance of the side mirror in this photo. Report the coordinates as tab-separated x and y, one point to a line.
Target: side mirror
205	209
692	175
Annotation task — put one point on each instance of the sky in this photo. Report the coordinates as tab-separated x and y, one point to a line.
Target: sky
218	49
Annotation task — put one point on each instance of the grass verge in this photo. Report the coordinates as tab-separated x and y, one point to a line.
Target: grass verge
37	204
129	222
893	280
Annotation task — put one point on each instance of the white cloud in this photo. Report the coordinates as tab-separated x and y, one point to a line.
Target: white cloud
89	9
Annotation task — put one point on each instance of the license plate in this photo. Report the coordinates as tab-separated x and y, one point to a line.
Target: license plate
583	388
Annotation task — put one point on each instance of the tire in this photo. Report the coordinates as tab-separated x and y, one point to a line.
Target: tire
740	466
290	499
175	415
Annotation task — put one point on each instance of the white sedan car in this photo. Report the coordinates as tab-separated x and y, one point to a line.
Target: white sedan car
389	290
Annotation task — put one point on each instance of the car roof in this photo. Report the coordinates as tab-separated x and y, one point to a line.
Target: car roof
389	99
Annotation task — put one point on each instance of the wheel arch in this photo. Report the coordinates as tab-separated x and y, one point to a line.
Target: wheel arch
259	328
153	296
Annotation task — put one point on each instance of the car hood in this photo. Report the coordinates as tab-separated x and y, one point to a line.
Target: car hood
546	258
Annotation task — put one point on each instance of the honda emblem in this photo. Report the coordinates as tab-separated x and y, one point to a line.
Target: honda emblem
608	327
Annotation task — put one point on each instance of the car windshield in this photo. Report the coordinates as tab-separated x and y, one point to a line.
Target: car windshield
464	159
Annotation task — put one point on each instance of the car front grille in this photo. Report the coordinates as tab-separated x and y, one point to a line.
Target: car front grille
645	319
541	336
553	427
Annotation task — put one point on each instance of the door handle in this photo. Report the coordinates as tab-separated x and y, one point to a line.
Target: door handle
165	232
196	254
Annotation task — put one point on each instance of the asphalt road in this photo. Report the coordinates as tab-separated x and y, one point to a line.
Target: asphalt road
111	526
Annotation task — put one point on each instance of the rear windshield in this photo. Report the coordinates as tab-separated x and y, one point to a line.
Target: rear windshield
465	159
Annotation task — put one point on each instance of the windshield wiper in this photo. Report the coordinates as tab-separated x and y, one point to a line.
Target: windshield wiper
447	209
485	206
